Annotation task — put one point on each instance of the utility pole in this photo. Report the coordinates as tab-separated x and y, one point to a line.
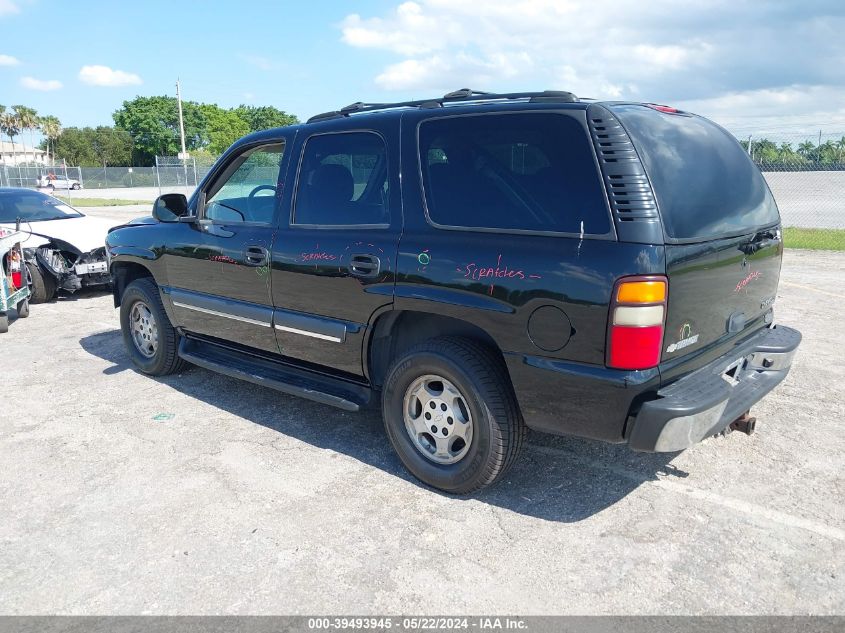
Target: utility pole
183	155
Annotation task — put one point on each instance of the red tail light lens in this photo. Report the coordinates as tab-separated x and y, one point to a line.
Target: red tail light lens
635	327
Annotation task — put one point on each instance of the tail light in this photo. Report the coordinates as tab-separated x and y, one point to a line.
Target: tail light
16	269
637	317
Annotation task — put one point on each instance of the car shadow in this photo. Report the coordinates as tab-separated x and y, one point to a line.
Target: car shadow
81	295
555	478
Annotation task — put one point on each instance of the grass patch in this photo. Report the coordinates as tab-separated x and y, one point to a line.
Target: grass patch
101	202
814	239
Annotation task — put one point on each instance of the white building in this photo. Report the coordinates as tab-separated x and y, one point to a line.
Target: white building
20	154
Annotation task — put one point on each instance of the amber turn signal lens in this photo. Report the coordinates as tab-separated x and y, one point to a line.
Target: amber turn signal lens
641	292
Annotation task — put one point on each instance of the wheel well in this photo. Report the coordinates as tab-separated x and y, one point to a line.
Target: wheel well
398	331
123	274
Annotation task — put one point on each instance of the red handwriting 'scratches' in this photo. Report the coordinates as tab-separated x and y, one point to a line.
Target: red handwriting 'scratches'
751	277
472	271
222	258
317	257
499	271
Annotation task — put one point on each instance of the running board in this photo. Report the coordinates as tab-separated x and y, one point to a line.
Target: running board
285	378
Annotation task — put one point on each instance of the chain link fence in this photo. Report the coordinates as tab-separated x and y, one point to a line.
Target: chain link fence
169	174
33	176
806	173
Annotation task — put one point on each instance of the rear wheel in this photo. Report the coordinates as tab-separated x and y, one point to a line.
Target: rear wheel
43	285
150	339
75	186
451	415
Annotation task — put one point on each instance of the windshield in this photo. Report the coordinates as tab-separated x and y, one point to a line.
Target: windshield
31	206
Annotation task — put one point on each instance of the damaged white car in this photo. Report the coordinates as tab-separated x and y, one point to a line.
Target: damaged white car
65	249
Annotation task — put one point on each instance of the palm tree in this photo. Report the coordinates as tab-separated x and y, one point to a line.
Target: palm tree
806	149
840	145
10	124
28	121
52	128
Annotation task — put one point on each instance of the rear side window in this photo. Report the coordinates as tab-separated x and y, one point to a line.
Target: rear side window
343	181
706	185
529	172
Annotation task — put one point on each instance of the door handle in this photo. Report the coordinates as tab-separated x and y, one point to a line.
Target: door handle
255	255
364	265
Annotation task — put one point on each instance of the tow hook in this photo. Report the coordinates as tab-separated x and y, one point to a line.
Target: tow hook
744	423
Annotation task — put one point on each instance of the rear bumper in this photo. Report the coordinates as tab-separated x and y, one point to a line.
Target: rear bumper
706	401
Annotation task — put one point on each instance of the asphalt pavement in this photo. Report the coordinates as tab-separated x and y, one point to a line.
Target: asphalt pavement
200	494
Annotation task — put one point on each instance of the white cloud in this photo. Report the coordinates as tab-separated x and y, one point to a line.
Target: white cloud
8	7
791	111
105	76
8	60
625	49
445	73
44	85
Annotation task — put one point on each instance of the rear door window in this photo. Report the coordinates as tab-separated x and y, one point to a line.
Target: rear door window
706	185
512	172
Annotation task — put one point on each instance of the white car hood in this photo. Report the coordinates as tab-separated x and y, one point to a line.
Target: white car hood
85	233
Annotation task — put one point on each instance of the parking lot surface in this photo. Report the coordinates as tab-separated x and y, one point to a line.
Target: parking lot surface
199	494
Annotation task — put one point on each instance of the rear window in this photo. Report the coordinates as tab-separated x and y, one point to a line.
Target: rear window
706	185
522	172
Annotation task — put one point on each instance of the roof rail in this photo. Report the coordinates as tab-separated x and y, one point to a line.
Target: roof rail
458	96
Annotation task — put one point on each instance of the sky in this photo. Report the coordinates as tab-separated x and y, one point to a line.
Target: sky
769	68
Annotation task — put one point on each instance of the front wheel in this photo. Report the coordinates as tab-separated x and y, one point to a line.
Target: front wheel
23	309
150	339
451	415
76	186
43	284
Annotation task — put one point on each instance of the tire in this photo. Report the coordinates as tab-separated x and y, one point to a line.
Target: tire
23	309
4	323
486	400
76	187
43	284
161	357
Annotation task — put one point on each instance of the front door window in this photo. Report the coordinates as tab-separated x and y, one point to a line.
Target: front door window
246	191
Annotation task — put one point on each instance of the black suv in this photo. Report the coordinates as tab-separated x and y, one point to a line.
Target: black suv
480	263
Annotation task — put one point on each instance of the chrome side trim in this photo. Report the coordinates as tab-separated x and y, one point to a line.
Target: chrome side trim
324	337
221	314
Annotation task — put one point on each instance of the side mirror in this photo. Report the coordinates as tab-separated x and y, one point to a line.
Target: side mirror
170	207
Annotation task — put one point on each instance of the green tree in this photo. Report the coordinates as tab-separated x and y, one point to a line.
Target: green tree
10	124
112	146
76	146
224	127
52	129
28	120
264	117
153	123
807	149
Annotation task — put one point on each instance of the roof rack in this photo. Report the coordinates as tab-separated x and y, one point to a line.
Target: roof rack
458	96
